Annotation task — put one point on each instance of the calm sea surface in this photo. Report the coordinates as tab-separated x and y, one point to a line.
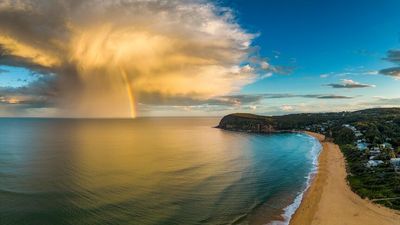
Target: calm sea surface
147	171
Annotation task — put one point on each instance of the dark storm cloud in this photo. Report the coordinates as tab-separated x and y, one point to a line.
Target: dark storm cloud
80	42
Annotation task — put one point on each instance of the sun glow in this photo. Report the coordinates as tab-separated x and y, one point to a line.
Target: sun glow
20	49
108	56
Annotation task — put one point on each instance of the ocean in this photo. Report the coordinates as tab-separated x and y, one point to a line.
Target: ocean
149	171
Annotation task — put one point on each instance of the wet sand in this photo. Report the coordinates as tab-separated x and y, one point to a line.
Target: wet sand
330	201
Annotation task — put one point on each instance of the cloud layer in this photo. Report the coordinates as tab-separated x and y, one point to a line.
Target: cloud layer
106	56
350	84
392	56
233	100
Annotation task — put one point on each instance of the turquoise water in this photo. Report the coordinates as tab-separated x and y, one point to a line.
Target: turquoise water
148	171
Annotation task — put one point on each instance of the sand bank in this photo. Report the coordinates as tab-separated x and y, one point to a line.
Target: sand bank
330	201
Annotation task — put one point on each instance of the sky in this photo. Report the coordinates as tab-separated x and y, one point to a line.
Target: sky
197	57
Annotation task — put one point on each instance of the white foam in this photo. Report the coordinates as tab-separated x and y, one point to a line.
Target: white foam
291	209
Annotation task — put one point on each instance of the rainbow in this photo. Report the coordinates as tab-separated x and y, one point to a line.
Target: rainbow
131	97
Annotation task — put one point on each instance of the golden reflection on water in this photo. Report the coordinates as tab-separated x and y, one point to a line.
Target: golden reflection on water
144	171
143	159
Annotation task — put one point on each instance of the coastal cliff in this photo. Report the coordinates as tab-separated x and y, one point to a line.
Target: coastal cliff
248	123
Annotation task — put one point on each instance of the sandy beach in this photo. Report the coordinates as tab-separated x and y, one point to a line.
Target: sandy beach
330	201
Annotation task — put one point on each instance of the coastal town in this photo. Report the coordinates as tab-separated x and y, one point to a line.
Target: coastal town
379	152
369	140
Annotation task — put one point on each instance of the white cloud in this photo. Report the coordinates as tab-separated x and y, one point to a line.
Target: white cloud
264	65
287	108
266	75
347	83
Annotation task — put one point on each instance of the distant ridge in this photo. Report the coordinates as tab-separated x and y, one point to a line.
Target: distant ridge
265	124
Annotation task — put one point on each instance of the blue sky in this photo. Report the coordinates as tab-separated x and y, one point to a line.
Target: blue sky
335	39
335	52
323	36
15	76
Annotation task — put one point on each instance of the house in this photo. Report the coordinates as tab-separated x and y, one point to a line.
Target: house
374	163
395	162
358	134
375	151
362	146
386	145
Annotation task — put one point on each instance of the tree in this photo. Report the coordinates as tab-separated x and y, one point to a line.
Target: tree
344	136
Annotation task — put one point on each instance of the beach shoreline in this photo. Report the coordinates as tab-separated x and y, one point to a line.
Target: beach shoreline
330	201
